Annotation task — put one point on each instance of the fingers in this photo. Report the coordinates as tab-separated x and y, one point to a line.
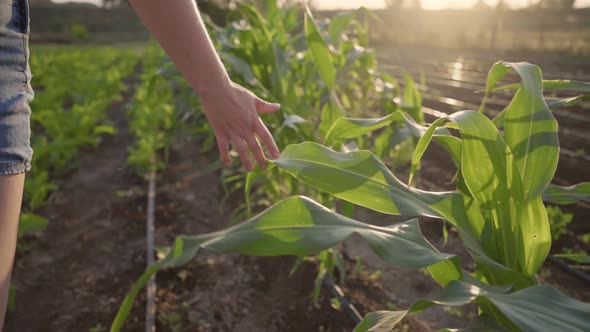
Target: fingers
266	139
266	107
256	149
223	147
240	147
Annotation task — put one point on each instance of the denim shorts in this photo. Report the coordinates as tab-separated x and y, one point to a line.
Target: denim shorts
15	88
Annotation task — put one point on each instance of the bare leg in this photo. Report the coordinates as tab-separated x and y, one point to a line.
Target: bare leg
11	193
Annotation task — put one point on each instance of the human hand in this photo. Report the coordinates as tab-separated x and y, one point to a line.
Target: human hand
233	115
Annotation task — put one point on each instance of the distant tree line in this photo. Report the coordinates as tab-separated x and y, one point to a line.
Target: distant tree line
393	4
556	4
481	4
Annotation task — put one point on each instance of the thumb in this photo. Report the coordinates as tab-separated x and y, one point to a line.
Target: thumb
266	107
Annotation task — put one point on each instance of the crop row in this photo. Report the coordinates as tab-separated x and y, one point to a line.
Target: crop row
325	77
69	114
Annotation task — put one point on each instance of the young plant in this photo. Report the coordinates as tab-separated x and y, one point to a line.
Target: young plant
497	208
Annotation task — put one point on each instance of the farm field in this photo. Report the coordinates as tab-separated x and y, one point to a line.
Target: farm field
131	144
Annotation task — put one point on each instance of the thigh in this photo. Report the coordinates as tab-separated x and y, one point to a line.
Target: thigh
15	88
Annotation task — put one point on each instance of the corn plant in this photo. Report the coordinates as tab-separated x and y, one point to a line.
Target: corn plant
503	177
319	70
162	104
151	112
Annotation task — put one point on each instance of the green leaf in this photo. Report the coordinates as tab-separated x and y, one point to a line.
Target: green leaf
361	178
331	112
127	303
296	226
518	228
553	103
348	128
543	308
380	321
249	182
339	24
579	258
499	119
553	85
358	177
537	308
421	148
319	50
446	271
496	73
557	103
530	133
105	129
491	178
292	227
530	130
412	99
31	223
567	195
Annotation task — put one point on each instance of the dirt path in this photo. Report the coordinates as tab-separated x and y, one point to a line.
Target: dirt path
65	277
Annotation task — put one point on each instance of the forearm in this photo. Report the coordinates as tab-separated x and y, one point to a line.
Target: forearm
232	110
178	27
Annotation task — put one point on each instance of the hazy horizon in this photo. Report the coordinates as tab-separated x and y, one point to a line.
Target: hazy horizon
426	4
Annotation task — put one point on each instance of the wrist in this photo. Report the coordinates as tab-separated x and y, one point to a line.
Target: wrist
213	89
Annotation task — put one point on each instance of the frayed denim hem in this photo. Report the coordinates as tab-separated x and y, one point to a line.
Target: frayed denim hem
12	169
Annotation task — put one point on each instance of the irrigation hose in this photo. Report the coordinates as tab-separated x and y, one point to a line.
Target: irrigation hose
344	302
150	309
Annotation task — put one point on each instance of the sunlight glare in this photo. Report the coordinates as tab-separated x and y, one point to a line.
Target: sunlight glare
457	70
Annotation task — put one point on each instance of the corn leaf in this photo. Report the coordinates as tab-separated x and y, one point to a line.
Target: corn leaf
530	130
250	182
557	103
579	258
567	195
358	177
525	310
320	51
380	321
553	103
338	24
296	226
496	73
331	112
412	99
362	179
347	128
553	85
421	147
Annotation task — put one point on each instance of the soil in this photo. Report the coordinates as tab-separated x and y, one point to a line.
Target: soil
74	275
